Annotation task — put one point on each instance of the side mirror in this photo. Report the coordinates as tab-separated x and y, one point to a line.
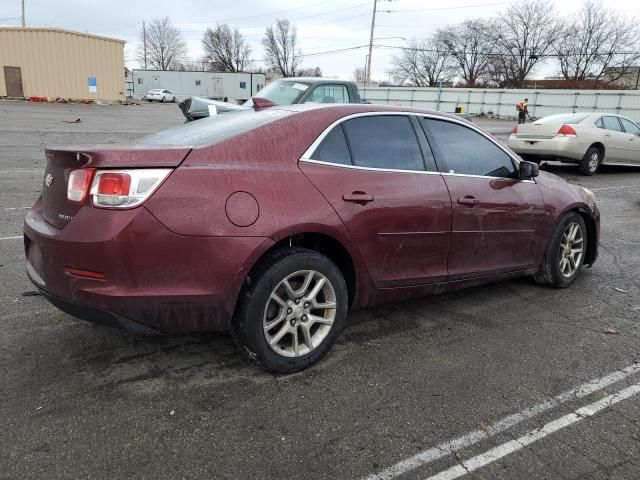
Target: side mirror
528	170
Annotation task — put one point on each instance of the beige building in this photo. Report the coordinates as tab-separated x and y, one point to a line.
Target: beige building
50	62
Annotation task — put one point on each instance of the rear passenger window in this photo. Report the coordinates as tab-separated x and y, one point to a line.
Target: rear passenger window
384	141
464	151
611	123
333	148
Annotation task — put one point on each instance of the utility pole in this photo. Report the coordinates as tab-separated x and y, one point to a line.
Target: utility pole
144	41
23	22
373	24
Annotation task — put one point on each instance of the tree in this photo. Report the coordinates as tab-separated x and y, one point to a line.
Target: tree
423	63
359	75
225	49
521	38
165	46
309	72
469	45
593	43
280	42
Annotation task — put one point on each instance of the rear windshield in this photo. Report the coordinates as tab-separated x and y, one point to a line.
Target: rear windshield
218	128
566	118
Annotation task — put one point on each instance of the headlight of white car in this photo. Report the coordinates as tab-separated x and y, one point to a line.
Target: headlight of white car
590	194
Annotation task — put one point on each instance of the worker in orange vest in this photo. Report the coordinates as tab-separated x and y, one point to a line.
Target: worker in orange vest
523	110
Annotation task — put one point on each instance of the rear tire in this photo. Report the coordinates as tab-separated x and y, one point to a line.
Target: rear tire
565	254
280	320
591	161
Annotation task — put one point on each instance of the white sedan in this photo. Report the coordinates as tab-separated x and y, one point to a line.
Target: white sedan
588	139
160	95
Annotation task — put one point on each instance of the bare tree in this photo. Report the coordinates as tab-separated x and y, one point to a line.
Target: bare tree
423	63
598	44
359	75
166	48
280	42
309	72
225	49
469	45
521	38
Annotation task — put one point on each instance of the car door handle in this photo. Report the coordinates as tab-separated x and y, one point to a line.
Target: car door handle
607	134
357	197
468	200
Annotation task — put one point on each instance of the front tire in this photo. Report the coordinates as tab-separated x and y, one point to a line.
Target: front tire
292	310
565	254
591	161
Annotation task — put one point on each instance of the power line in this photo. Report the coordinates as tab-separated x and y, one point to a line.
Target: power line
447	8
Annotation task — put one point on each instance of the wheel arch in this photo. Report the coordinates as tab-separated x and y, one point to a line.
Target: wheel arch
592	231
330	244
600	146
592	235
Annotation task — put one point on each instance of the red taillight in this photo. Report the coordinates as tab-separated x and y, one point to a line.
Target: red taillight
114	184
514	130
79	183
566	131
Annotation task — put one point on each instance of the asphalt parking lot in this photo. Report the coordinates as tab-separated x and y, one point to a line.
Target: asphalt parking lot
507	381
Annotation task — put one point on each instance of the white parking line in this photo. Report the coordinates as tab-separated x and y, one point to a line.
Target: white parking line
471	438
490	456
15	208
11	238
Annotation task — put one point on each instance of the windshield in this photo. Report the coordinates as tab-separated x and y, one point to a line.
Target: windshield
282	92
566	118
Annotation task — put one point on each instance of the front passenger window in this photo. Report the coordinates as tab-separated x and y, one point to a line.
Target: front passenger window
464	151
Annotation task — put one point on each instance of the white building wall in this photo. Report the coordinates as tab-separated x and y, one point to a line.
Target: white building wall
235	87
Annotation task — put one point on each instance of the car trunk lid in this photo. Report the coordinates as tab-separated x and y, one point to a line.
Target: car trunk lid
57	210
538	130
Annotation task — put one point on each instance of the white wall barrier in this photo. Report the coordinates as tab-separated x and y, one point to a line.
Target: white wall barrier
502	102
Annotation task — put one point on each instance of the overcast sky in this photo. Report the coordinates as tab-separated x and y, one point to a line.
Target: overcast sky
323	25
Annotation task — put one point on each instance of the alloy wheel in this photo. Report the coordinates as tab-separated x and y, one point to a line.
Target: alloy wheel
299	313
571	249
594	161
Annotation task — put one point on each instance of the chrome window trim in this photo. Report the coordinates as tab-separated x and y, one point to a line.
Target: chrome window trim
307	155
372	169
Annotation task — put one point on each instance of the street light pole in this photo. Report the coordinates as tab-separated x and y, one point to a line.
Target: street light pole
373	24
23	22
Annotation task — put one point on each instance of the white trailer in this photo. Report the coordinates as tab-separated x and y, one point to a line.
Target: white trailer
230	87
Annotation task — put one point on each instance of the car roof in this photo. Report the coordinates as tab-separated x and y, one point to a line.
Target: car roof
314	80
346	109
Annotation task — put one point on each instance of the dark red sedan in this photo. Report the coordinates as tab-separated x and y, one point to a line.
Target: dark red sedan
274	223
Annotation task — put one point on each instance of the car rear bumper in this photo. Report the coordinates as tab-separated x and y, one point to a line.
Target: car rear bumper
557	147
125	269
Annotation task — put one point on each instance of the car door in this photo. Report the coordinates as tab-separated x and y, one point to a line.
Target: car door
614	140
495	215
632	132
378	173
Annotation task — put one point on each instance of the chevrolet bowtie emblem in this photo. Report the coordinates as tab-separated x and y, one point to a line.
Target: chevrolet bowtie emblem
48	180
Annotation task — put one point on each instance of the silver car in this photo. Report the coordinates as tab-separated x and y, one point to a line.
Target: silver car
588	139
